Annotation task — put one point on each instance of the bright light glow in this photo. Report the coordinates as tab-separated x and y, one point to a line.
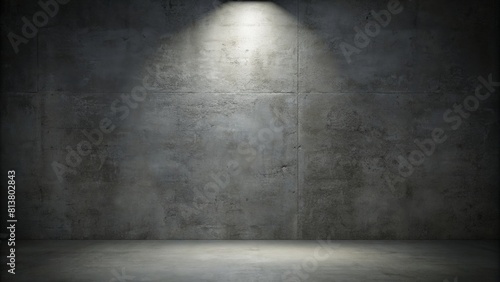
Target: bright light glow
249	46
253	26
232	48
249	14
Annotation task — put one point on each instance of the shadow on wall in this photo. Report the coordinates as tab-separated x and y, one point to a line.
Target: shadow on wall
357	117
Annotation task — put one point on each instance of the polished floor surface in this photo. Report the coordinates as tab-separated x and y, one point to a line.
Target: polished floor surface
120	261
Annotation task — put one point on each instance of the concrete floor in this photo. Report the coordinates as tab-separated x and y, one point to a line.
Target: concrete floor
254	261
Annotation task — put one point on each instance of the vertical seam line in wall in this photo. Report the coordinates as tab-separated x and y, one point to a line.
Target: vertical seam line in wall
37	63
297	215
38	100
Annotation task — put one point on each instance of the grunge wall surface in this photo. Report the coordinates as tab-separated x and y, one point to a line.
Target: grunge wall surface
251	120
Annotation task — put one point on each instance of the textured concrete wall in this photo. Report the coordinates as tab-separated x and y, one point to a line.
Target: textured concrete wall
252	120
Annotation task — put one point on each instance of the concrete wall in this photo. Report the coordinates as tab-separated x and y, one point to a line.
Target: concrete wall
251	120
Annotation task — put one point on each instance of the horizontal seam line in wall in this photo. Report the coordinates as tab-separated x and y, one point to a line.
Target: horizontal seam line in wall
154	92
18	92
232	93
383	92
